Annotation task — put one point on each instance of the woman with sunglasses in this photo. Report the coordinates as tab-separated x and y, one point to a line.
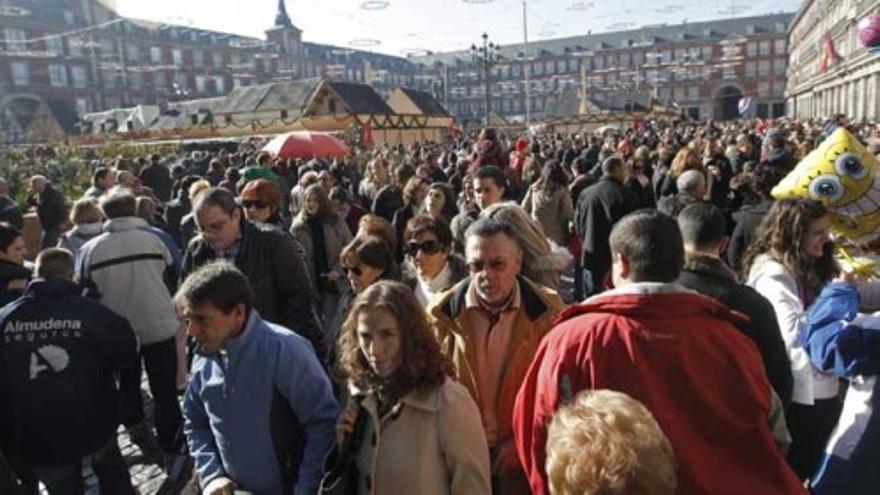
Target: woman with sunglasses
410	427
322	233
261	202
430	267
365	260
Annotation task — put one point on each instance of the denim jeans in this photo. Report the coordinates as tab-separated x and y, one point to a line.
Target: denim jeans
67	479
160	362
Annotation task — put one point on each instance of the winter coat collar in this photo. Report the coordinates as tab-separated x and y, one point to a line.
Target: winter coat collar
648	300
708	265
426	400
87	229
241	341
124	223
532	303
52	287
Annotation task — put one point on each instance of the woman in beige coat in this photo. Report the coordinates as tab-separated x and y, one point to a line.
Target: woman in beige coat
549	203
322	234
419	431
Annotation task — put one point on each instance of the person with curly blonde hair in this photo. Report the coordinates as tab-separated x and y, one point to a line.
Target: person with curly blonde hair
686	159
607	443
410	427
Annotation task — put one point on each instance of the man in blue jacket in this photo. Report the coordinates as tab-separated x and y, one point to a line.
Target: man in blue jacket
59	353
259	412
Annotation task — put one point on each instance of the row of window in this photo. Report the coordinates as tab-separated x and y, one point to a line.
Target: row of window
677	93
77	77
58	75
625	59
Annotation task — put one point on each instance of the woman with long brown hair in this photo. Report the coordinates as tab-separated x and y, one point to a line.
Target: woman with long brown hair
410	428
788	262
323	234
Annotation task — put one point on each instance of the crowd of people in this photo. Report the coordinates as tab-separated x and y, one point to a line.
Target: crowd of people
629	312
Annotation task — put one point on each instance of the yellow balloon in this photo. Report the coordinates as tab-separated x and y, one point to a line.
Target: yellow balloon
845	177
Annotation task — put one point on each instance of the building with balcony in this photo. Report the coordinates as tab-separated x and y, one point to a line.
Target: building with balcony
704	67
830	71
67	58
62	59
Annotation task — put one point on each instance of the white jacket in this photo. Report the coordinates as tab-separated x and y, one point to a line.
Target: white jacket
773	281
127	264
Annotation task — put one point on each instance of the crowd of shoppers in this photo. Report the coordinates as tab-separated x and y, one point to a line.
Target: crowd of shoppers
496	314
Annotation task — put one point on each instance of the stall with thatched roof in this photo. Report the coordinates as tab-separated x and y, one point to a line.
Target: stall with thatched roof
576	112
307	104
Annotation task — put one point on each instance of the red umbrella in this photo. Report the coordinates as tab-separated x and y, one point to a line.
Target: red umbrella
306	144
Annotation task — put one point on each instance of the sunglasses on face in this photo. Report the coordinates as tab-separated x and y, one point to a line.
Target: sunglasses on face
427	247
252	203
353	270
496	265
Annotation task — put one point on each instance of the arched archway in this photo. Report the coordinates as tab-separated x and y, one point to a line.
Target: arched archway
24	115
725	103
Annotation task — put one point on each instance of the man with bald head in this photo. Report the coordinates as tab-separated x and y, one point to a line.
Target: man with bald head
51	209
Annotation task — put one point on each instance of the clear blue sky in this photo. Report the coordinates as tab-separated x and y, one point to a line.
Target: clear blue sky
439	25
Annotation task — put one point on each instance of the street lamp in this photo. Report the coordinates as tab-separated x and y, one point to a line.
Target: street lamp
486	56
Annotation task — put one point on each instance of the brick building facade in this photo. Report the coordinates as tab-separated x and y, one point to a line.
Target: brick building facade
64	58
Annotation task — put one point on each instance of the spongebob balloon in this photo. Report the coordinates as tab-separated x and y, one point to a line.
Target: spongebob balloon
845	177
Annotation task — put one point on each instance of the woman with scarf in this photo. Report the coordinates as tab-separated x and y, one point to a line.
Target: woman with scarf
409	426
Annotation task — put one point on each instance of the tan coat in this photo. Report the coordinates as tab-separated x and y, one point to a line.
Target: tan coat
540	306
552	212
431	443
336	237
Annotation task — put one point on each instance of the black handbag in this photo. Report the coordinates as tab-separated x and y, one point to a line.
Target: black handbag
340	470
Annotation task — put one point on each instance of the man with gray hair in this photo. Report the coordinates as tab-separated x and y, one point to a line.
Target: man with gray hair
490	325
691	190
134	272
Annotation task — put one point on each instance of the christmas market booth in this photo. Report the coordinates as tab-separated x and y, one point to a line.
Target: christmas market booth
355	112
575	112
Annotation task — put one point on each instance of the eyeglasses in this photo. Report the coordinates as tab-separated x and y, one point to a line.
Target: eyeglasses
250	203
213	228
354	270
427	247
496	265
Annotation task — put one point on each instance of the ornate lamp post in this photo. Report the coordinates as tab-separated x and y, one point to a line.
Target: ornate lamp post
486	56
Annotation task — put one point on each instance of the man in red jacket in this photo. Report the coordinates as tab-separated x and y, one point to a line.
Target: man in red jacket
677	352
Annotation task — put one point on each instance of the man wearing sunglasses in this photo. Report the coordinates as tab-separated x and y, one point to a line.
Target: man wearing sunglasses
270	259
490	324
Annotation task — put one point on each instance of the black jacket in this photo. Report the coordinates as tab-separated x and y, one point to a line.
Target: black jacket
8	272
599	207
58	355
709	276
644	194
273	263
51	208
157	177
388	200
673	205
747	219
9	211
